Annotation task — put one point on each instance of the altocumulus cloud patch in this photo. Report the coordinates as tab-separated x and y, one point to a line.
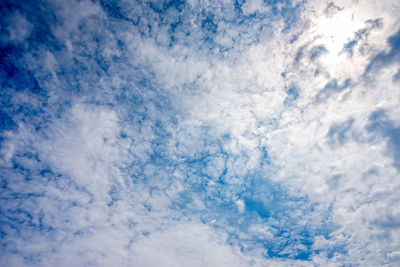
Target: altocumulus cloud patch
199	133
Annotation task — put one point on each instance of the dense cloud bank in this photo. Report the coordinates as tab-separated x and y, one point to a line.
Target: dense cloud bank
199	133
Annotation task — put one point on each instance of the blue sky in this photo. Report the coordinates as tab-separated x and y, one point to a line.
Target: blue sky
200	133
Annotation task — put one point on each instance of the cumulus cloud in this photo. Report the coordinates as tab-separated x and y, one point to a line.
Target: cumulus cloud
199	133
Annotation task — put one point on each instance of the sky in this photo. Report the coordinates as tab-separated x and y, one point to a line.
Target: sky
199	133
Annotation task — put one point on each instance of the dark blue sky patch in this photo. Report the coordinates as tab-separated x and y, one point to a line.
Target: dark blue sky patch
293	92
6	122
264	202
317	51
331	88
253	205
287	9
292	95
114	11
349	47
331	7
299	54
177	4
389	221
43	17
384	59
339	133
209	26
163	6
13	73
380	124
396	77
394	42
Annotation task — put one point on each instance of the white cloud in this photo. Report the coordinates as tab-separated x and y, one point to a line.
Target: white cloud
19	28
230	143
193	245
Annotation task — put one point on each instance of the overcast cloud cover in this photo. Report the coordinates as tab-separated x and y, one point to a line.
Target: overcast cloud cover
200	133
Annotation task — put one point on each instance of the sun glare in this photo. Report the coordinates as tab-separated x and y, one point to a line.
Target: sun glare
334	32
